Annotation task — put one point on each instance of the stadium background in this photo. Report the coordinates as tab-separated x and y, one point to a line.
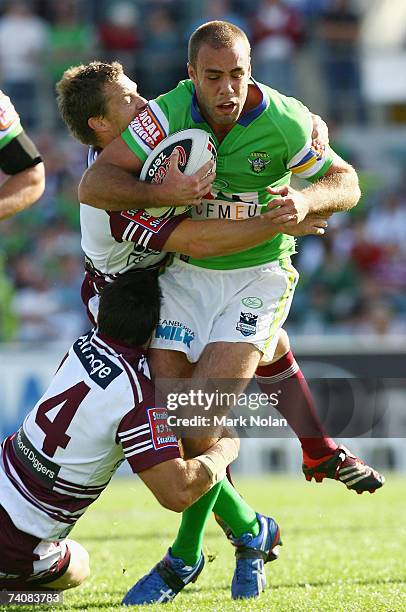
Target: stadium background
345	60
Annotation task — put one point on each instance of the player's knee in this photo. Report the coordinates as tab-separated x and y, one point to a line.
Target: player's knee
282	348
78	570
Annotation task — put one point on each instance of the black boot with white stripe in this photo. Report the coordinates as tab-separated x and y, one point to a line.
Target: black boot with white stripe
347	468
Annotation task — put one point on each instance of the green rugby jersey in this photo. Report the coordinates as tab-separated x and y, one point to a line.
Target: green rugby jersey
10	126
264	148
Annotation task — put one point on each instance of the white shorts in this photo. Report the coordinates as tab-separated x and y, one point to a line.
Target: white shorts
202	306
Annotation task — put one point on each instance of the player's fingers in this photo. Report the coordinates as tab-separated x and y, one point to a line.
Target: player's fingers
206	183
276	203
283	191
174	160
318	231
205	169
285	219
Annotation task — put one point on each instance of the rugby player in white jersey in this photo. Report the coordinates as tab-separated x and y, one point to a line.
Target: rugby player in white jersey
282	353
20	160
99	410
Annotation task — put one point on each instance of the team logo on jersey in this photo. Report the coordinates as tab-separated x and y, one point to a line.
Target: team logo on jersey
161	434
247	324
252	302
259	161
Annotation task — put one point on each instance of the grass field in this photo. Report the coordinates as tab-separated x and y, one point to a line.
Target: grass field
341	551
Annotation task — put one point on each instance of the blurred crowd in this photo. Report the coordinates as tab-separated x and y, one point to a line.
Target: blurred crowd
353	280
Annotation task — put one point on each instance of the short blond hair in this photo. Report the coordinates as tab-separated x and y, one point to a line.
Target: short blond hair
216	34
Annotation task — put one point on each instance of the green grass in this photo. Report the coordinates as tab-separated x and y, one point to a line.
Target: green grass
342	551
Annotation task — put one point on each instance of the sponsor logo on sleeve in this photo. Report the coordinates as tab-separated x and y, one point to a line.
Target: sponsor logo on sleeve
148	128
161	434
99	367
247	324
142	218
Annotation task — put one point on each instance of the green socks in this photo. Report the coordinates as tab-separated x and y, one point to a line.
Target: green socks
226	502
235	511
188	543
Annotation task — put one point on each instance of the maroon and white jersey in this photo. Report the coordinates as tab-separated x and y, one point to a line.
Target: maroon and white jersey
115	242
98	410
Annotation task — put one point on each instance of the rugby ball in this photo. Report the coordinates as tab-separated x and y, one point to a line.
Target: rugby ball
195	149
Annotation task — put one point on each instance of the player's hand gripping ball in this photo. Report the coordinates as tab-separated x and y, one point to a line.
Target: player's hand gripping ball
195	149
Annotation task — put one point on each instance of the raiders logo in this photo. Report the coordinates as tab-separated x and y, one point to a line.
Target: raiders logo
258	161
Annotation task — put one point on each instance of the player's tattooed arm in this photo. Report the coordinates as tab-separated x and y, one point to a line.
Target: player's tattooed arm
111	182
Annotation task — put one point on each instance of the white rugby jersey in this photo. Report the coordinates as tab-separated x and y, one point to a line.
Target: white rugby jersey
115	242
10	125
98	410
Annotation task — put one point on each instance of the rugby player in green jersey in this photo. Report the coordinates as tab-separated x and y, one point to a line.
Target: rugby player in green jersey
262	138
20	160
97	101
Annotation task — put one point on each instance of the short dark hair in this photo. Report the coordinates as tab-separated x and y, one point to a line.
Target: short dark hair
129	307
216	34
81	95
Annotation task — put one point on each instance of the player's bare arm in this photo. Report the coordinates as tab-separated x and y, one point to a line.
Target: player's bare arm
337	191
200	239
178	483
111	182
21	190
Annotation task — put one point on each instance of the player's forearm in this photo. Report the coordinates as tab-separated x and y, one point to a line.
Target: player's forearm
110	187
196	476
215	237
335	192
21	190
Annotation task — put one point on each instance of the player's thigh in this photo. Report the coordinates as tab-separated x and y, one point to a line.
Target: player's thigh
223	371
188	309
256	312
169	364
78	569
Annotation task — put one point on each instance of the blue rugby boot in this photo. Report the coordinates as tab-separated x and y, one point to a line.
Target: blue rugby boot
163	582
251	554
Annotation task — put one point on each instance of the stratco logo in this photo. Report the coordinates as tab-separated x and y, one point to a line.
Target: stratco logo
100	369
148	128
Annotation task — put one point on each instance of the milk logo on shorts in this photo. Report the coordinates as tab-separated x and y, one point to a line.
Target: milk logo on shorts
161	434
174	331
247	324
259	161
252	302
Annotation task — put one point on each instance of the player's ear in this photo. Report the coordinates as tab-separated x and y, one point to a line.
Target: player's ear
191	72
97	124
